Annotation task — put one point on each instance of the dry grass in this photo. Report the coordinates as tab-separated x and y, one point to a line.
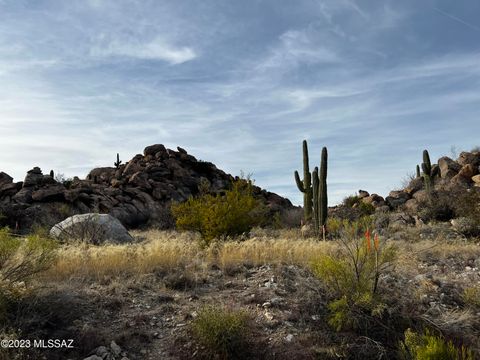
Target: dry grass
169	251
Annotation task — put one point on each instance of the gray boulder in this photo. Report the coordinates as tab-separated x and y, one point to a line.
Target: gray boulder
91	228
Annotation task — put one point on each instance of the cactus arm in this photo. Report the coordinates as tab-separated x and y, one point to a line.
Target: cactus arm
299	182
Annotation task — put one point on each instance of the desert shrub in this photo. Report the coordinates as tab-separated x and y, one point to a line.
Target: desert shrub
222	331
354	201
467	205
220	216
438	206
20	259
338	227
428	346
290	218
350	201
352	276
471	297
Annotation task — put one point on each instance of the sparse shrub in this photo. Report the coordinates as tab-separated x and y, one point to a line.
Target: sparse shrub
438	206
352	277
222	331
20	259
354	208
60	178
217	216
428	346
290	218
351	200
467	205
471	297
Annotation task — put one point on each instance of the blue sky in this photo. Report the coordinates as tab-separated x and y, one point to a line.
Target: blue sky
240	84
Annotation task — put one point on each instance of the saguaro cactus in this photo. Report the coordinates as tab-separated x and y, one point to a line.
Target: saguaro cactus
118	162
429	171
52	174
305	186
315	184
322	193
418	171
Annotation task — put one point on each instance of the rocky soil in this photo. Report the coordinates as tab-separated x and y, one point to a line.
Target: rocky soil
149	316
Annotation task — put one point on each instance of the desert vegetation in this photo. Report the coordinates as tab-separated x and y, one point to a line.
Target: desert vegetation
371	278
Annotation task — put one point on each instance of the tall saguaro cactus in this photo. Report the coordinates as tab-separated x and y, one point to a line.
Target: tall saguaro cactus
322	193
315	186
305	186
429	171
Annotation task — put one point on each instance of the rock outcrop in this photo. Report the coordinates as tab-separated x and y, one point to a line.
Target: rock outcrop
137	193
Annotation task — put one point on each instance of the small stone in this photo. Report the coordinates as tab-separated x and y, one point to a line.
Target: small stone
101	350
93	357
115	348
266	304
268	316
289	338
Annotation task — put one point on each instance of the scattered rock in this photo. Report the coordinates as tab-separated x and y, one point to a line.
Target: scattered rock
397	198
362	194
5	179
469	158
448	167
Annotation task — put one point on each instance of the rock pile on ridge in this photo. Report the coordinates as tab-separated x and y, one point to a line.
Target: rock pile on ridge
137	193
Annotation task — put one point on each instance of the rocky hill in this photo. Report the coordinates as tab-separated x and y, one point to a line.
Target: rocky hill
138	192
454	194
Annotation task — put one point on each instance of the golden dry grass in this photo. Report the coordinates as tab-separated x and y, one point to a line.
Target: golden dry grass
166	251
170	251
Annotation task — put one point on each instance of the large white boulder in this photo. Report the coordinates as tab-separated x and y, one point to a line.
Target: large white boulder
91	228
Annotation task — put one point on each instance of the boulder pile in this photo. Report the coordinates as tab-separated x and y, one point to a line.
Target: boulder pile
137	193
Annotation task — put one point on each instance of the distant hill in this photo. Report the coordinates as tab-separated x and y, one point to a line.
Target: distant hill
138	193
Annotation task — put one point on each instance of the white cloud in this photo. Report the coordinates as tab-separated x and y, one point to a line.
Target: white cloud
298	47
157	49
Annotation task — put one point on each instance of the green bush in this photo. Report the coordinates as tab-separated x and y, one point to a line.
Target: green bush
427	346
220	216
222	331
352	275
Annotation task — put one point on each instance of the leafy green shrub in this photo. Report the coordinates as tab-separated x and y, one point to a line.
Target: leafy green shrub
427	346
352	277
219	216
222	331
20	259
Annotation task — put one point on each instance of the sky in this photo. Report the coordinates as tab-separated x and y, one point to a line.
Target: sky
241	84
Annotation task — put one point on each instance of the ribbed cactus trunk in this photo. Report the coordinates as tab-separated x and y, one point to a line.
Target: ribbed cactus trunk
315	187
429	171
418	171
322	193
305	186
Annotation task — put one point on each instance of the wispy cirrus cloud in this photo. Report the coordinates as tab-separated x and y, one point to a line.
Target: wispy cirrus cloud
239	86
156	49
